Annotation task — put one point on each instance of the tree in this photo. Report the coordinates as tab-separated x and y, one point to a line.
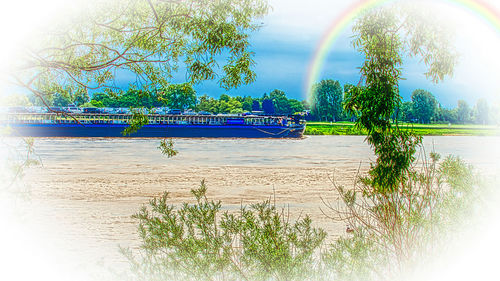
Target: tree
62	99
130	98
247	104
255	105
96	103
80	97
280	102
204	103
382	230
405	112
445	115
481	112
225	97
384	36
268	106
463	112
105	100
424	105
295	106
180	96
326	100
149	38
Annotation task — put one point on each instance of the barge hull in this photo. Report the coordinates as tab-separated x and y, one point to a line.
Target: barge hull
155	131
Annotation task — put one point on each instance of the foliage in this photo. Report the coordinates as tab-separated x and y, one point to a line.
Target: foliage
204	103
225	104
383	35
136	121
80	97
424	105
445	115
167	148
200	242
275	103
481	112
463	112
393	231
405	112
268	106
95	103
246	106
16	158
62	99
133	97
280	102
152	39
326	100
256	105
180	96
295	106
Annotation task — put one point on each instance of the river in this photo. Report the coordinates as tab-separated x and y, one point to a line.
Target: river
84	193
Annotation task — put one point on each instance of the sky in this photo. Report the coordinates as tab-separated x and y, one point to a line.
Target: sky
285	46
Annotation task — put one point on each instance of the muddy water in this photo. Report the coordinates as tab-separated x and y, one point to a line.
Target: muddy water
83	195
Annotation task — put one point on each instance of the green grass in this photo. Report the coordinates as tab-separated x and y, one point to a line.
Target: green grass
347	128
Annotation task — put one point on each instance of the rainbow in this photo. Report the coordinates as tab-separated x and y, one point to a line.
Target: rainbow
478	8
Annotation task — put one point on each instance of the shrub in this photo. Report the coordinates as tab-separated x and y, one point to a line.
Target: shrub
394	231
199	242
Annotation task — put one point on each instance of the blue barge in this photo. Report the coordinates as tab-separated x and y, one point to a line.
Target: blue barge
159	126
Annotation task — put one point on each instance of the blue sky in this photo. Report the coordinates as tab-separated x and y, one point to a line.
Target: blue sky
285	45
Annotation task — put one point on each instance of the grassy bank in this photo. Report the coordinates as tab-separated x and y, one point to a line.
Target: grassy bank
347	128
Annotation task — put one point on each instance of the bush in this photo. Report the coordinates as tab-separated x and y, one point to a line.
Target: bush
393	232
199	242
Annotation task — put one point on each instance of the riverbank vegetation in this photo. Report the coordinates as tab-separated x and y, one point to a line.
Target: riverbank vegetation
204	241
201	242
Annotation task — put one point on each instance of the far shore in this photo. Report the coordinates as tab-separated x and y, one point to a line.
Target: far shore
348	128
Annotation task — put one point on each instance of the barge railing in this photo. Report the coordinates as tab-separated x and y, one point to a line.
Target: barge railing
154	119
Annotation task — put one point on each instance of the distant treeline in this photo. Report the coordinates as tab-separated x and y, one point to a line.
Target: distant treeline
325	104
328	98
179	96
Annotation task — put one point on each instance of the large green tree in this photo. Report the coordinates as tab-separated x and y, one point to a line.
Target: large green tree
326	100
384	36
392	226
463	112
246	105
280	101
405	112
481	112
151	39
180	96
445	115
424	105
295	106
